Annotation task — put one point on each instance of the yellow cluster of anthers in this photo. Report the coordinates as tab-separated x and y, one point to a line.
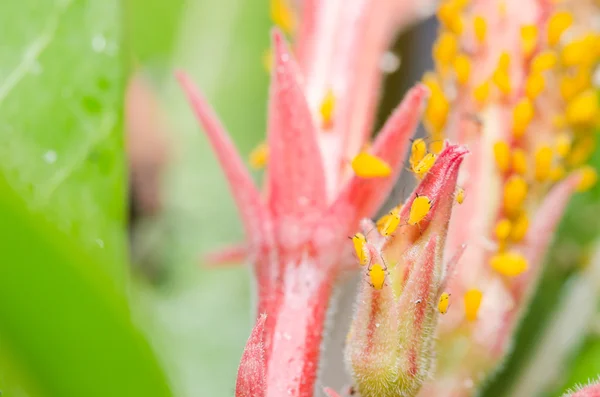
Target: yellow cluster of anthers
554	110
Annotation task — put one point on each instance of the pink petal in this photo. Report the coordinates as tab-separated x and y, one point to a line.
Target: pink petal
296	182
589	391
252	370
362	197
247	197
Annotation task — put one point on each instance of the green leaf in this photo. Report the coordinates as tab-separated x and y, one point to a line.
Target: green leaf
65	326
61	142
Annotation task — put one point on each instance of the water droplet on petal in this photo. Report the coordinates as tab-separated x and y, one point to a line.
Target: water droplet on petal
100	243
389	62
98	43
50	157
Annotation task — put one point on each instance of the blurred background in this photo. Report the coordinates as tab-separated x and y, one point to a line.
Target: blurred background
129	215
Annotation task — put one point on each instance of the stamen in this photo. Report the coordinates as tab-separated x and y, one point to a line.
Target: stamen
482	92
583	109
588	176
543	162
534	85
510	264
462	68
480	28
515	192
522	115
558	23
445	49
519	161
326	109
543	61
283	16
472	302
366	165
563	144
503	228
519	227
529	38
502	155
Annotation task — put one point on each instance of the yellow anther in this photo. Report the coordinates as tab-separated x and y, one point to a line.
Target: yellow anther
482	92
502	230
522	116
502	81
510	264
582	151
480	28
445	49
366	165
267	59
377	276
391	222
459	195
543	61
283	16
462	68
359	242
472	302
529	38
575	83
583	109
543	162
557	173
424	165
417	152
419	209
534	85
519	161
326	109
515	192
519	227
437	111
444	303
259	156
502	155
580	52
588	178
504	61
558	23
559	121
449	15
563	144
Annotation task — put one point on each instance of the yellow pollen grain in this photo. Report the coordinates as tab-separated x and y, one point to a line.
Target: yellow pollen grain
583	109
462	68
377	276
580	52
543	61
482	92
558	23
522	115
562	144
557	173
529	38
437	109
519	227
510	264
419	209
515	193
445	49
574	83
417	152
459	195
502	81
588	178
472	300
366	165
450	17
424	165
480	28
534	85
582	151
444	303
283	16
327	109
543	162
359	240
259	156
391	222
519	161
502	229
502	155
504	61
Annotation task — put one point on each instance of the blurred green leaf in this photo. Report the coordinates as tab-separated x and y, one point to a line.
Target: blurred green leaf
63	322
205	314
61	142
